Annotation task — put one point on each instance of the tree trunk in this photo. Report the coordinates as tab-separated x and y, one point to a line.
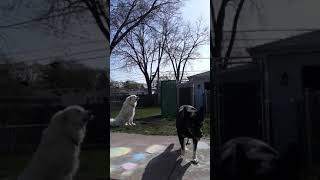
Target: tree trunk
158	87
149	85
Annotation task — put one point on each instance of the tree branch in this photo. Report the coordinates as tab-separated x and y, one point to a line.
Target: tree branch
94	11
234	32
218	29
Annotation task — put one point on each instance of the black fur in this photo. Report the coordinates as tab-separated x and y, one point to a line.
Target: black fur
245	158
189	123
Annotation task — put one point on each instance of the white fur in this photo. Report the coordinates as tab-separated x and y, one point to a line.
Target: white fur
127	112
57	156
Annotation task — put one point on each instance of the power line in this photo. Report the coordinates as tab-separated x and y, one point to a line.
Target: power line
255	39
40	19
72	54
62	31
123	67
32	51
95	42
200	58
116	69
101	41
90	58
184	71
274	30
167	71
65	32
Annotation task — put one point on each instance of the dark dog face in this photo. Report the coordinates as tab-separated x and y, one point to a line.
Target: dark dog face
191	120
248	158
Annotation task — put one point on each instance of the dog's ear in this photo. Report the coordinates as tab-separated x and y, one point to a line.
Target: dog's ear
60	117
180	114
129	98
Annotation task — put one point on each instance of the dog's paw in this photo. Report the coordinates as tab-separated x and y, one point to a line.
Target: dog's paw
195	161
133	124
187	142
126	124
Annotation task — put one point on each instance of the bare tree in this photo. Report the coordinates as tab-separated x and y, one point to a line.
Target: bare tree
218	17
128	14
25	73
183	46
124	15
144	47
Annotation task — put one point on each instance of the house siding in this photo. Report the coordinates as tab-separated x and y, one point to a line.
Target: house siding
287	102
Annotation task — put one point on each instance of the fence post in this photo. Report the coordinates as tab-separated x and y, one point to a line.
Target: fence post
308	127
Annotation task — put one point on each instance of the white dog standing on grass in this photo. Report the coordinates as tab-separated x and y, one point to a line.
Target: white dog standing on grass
57	156
127	112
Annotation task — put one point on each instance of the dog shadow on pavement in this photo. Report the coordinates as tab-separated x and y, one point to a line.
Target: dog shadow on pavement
167	165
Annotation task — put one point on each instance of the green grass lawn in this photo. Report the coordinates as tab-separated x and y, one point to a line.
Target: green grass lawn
165	127
93	164
141	112
153	126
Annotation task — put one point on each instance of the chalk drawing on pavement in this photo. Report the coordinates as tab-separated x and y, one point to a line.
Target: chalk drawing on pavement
127	173
135	160
138	156
119	151
155	149
129	166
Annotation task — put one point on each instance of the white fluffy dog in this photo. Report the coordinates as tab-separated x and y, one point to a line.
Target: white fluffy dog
57	156
127	112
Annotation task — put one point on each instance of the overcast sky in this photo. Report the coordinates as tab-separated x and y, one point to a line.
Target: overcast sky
32	43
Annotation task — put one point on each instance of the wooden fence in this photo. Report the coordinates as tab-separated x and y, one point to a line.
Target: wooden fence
144	101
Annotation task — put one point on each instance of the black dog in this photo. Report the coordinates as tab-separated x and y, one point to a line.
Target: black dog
189	123
245	158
